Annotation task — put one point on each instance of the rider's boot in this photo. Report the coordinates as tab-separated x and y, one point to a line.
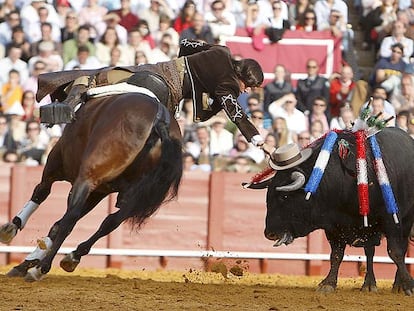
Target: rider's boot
63	112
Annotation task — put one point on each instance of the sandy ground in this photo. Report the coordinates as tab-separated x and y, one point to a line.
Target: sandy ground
87	289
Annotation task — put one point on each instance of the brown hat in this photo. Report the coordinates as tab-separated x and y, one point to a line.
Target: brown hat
288	156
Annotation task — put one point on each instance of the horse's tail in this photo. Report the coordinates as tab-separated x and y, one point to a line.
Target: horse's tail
161	184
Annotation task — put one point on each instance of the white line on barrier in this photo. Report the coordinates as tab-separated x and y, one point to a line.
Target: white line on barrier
203	254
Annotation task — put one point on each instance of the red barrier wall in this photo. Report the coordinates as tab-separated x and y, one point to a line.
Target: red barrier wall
212	212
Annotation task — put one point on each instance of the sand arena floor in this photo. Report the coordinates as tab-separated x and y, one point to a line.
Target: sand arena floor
88	289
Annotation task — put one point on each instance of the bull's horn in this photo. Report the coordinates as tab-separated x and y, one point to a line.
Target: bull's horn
260	185
298	181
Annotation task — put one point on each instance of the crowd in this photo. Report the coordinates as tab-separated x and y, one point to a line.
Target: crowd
38	36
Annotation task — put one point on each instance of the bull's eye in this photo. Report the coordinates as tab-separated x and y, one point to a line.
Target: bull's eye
283	197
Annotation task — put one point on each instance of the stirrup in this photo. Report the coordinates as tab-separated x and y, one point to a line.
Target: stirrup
56	113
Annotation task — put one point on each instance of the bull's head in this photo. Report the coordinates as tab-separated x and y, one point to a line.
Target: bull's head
288	213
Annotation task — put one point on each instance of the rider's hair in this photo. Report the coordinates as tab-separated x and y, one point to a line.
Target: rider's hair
249	71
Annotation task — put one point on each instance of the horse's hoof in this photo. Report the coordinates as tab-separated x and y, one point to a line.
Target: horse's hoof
325	289
13	273
369	288
34	274
7	232
69	263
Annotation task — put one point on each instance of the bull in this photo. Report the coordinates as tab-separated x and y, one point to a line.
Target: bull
334	207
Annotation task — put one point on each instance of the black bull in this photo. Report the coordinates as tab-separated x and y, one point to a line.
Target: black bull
335	207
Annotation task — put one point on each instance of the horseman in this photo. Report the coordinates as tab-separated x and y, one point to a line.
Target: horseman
205	73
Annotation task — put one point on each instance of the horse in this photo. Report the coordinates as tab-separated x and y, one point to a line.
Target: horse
129	144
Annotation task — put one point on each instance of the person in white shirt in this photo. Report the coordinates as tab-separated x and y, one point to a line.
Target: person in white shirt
221	21
323	9
13	61
83	60
285	107
398	36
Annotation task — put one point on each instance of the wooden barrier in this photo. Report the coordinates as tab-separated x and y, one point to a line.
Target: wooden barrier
212	212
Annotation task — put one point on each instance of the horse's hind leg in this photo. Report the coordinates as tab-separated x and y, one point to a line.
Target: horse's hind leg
110	223
51	173
45	244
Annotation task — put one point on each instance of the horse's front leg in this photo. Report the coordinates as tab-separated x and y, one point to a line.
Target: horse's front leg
45	244
9	230
51	173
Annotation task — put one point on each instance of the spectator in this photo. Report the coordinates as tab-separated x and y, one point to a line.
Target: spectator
13	61
16	125
140	58
404	100
166	28
376	21
281	131
323	10
221	21
403	119
345	119
184	19
128	19
91	15
388	70
12	20
19	40
54	61
12	92
136	43
145	32
312	86
46	36
6	7
165	51
255	25
34	31
70	47
340	90
221	140
278	24
200	149
242	164
285	107
254	103
31	83
158	9
316	130
7	142
83	60
304	139
30	16
109	41
199	30
309	22
275	89
319	113
190	164
380	94
257	117
112	19
298	10
242	148
70	27
339	29
10	156
28	104
398	36
272	140
34	144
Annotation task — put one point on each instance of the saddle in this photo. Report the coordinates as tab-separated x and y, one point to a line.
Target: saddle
153	82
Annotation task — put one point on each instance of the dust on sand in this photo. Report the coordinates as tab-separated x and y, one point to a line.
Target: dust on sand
228	288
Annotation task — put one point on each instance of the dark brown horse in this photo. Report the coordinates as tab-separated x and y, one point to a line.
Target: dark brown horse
122	143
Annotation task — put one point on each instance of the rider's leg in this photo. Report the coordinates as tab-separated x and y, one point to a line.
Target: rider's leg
63	112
